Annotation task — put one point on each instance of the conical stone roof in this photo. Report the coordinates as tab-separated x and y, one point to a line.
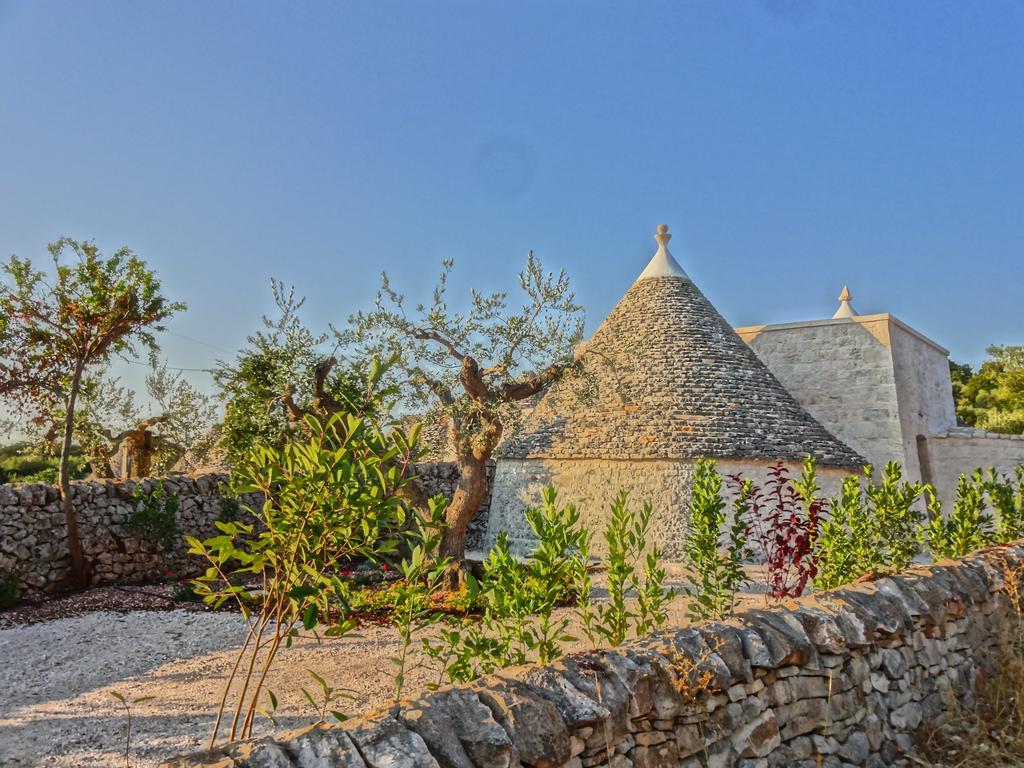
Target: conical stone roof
674	381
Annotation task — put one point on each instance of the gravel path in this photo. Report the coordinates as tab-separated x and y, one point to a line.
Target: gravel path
57	676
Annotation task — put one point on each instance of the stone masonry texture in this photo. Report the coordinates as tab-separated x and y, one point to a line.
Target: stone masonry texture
674	381
33	535
839	679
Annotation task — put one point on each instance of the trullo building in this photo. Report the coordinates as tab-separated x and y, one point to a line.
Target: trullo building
674	383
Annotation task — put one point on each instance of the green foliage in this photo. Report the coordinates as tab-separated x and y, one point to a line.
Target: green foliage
519	599
1006	496
281	359
154	516
422	577
993	397
10	588
715	575
967	528
332	498
626	539
23	463
896	515
329	696
870	528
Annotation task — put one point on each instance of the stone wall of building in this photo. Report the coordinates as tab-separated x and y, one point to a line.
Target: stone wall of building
592	485
963	449
841	371
33	535
840	680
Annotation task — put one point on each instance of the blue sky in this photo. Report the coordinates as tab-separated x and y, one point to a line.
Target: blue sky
791	146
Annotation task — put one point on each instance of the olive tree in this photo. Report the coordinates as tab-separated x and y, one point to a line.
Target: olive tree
474	368
57	326
282	375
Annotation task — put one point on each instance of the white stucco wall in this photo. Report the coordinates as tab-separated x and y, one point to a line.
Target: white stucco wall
842	372
924	392
592	485
963	451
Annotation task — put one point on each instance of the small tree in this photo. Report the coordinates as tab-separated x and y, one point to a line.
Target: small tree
283	375
472	368
55	328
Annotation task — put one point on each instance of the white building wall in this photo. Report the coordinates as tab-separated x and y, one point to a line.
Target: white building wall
965	450
842	372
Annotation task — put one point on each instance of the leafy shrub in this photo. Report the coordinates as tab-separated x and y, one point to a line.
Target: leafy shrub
967	528
895	514
154	516
519	599
332	498
870	527
626	537
784	522
1006	496
715	575
10	588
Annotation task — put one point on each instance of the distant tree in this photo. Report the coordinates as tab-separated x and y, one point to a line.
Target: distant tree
992	398
283	353
56	327
110	422
473	367
283	375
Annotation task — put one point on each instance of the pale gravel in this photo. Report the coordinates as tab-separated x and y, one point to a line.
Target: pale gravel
56	679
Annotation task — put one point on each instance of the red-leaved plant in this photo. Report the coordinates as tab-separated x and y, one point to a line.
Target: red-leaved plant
784	518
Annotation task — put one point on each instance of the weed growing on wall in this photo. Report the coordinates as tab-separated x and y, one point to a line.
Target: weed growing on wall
715	575
154	516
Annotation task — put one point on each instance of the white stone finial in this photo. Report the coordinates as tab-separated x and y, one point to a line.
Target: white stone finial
845	307
663	264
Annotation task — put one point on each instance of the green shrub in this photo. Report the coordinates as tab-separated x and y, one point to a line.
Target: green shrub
1006	496
626	538
870	528
967	528
10	588
715	575
154	516
519	599
332	498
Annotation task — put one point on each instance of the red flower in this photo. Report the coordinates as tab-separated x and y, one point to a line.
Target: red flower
383	566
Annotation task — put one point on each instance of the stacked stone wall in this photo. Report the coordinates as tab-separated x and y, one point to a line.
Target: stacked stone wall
841	679
33	534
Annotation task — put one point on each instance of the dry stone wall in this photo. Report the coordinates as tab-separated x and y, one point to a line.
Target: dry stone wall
841	679
33	535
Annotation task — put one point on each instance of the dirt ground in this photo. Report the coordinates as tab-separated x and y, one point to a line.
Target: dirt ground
58	674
